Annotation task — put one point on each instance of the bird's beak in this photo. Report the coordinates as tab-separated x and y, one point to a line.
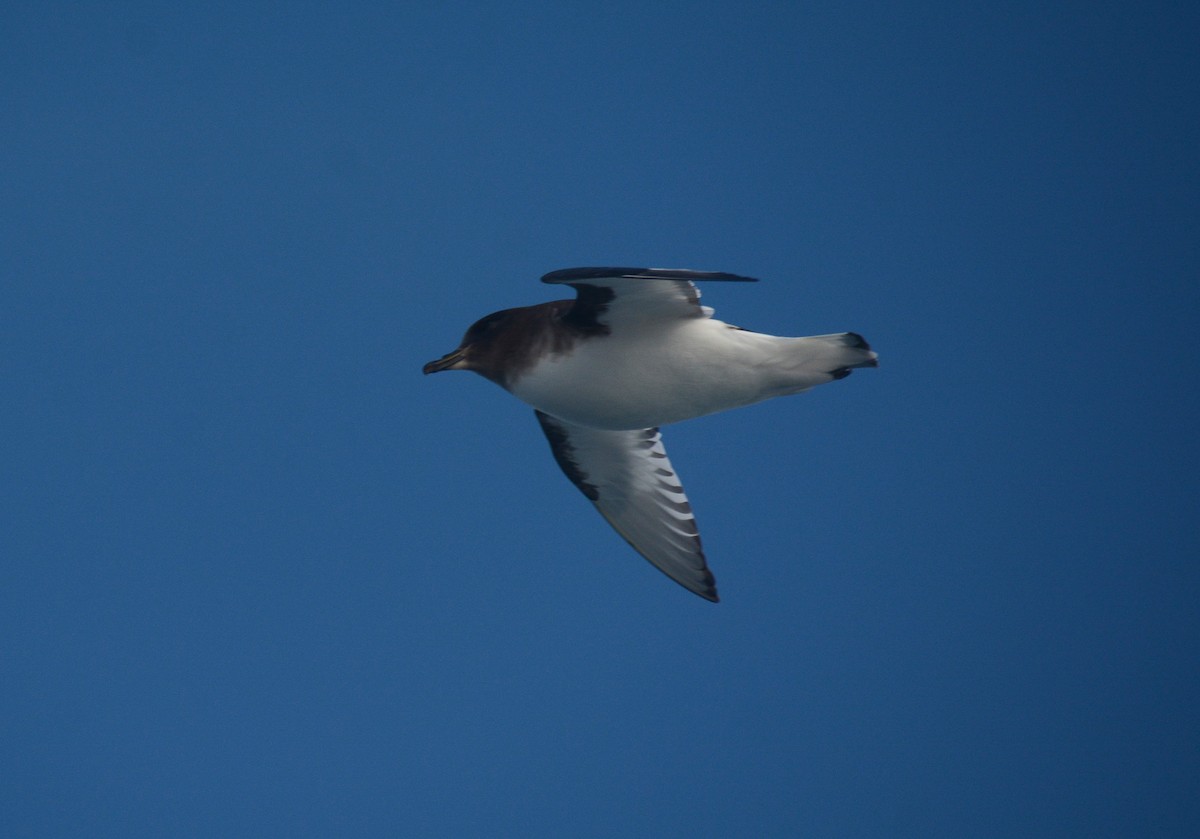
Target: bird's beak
451	361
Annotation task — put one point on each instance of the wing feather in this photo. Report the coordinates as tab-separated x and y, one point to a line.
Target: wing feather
608	297
629	478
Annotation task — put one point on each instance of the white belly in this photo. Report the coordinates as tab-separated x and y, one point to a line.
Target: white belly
656	376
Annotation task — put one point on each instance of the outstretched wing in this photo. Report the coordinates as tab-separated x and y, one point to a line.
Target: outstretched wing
627	475
608	296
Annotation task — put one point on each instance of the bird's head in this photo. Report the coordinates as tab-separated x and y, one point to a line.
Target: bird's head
481	346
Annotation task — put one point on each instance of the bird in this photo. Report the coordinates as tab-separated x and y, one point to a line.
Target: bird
632	352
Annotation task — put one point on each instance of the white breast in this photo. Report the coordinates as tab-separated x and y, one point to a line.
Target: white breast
659	374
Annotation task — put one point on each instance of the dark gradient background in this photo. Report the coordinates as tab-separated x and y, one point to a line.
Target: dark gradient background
262	578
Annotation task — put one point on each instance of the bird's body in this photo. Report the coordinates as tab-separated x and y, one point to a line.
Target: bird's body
660	375
634	351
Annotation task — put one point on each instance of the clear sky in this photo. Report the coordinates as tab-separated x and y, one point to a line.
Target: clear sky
263	578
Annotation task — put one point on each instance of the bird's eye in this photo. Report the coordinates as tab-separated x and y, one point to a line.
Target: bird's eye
488	324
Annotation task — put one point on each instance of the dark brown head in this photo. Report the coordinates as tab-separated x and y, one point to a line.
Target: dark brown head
505	343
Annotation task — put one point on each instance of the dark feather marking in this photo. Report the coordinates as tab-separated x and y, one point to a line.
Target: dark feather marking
573	275
591	302
678	506
560	447
689	527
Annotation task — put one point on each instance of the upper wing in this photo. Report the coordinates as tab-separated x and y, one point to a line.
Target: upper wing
627	475
608	295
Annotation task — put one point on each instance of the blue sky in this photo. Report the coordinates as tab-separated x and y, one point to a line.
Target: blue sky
262	578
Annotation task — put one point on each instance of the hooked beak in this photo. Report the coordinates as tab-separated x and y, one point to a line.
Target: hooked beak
451	361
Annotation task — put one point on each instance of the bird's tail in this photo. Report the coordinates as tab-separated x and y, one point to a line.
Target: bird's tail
803	363
837	355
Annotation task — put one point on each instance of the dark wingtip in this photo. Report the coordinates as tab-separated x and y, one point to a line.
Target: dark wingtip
709	592
860	343
577	275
